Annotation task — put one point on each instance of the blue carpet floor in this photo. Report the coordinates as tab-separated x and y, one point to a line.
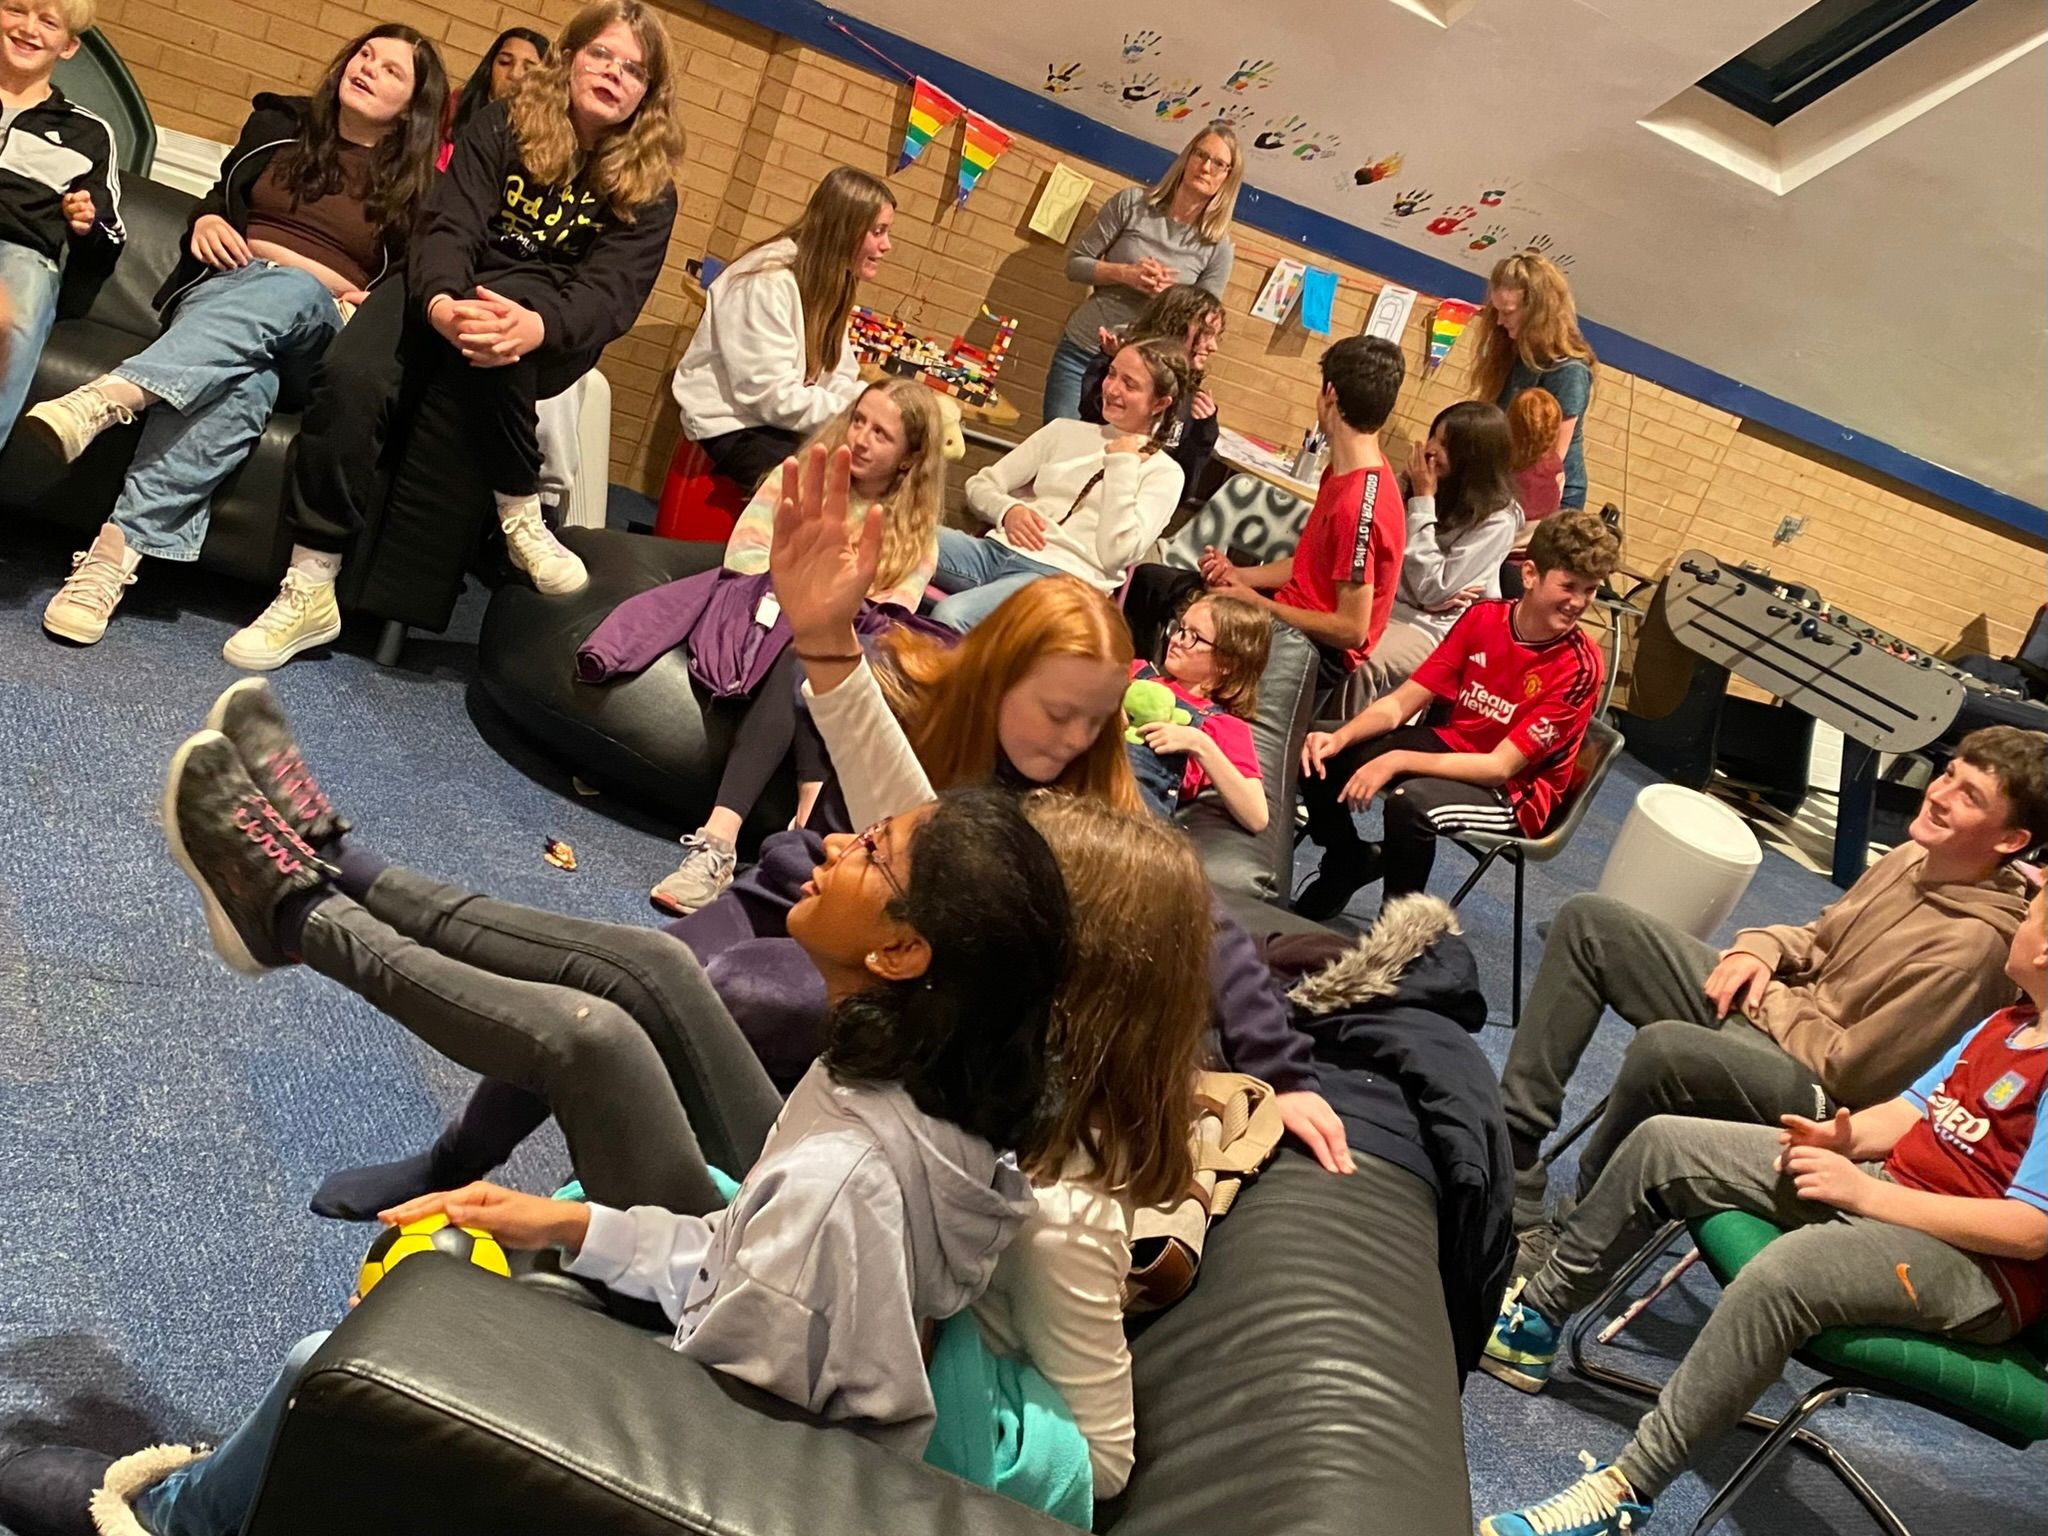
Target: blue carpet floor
162	1121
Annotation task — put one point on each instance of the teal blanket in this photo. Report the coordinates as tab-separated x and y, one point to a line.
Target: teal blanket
1001	1424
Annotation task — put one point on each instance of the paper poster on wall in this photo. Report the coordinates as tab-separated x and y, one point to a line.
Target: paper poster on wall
982	147
1445	327
1318	295
1390	312
1283	286
1059	205
931	111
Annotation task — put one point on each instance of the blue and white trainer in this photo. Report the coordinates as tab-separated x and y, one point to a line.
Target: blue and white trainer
1523	1345
1599	1504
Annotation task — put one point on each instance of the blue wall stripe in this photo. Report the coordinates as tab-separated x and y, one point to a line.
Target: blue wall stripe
1042	117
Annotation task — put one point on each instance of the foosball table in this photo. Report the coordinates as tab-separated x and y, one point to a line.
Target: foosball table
1883	693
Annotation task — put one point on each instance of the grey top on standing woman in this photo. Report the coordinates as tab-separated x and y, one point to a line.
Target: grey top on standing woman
1128	229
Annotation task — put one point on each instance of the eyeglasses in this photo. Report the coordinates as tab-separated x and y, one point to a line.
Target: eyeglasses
1180	634
1214	162
870	843
597	59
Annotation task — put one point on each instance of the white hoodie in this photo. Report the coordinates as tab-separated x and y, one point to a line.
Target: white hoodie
745	366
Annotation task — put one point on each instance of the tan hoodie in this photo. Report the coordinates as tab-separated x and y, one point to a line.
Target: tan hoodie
1871	993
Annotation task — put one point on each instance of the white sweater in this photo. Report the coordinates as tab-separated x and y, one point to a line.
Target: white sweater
1433	572
1057	1294
745	365
1114	523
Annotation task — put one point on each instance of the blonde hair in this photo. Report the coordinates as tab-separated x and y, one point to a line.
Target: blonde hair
77	14
916	498
1533	420
1549	330
841	211
1244	640
1131	1017
635	162
948	697
1215	221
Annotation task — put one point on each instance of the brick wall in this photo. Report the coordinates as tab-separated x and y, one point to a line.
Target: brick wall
767	115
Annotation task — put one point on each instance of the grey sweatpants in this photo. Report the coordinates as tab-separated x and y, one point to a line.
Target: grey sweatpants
1602	954
1831	1270
615	1025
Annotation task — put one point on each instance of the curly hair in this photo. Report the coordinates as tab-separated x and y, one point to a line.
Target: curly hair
635	162
402	164
1575	541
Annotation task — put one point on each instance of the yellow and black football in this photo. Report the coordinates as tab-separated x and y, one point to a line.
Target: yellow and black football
430	1234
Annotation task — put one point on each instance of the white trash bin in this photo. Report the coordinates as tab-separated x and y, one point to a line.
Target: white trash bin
1683	857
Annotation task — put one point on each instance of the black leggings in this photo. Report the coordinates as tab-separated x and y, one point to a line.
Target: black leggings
769	731
1416	809
745	457
616	1027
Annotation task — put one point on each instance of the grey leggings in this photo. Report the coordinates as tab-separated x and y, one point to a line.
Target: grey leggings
615	1026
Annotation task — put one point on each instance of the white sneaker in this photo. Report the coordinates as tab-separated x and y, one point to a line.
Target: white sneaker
302	615
536	551
99	576
706	870
72	421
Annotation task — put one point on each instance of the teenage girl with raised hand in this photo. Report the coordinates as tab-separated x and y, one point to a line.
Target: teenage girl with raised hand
773	359
1193	317
1462	521
895	438
1529	339
539	247
312	209
1073	497
509	60
1144	241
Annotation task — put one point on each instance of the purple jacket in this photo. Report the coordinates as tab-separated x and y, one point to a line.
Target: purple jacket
714	612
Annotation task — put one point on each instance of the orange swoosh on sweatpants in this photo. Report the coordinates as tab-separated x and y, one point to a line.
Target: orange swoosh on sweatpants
1907	1281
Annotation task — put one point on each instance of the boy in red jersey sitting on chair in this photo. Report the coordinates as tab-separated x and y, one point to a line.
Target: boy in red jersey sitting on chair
1928	1212
1521	681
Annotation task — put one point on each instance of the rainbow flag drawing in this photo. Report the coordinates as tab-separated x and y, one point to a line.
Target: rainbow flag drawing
983	147
1445	327
931	111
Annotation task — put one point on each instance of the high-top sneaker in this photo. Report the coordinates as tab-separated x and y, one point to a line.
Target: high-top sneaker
237	849
302	615
550	566
72	421
249	715
86	601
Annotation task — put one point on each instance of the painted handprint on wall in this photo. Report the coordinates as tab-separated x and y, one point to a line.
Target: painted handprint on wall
1564	260
1316	149
1377	170
1178	101
1250	75
1539	245
1447	222
1133	88
1409	204
1493	197
1236	115
1059	81
1137	44
1278	131
1490	236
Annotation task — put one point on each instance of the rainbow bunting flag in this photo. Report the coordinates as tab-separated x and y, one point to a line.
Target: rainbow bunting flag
1445	327
983	147
931	111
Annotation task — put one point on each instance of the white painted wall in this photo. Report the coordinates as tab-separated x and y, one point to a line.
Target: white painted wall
1902	292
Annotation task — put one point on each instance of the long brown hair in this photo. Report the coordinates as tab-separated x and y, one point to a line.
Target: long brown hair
1215	221
1550	324
1130	1020
1477	484
635	162
1173	313
828	234
402	164
1166	365
916	498
948	696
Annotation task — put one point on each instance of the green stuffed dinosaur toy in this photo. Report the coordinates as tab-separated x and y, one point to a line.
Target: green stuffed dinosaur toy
1151	703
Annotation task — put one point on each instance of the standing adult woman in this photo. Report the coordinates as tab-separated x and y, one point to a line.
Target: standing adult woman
540	246
1193	317
1144	241
516	54
1462	521
1071	498
312	209
1529	338
772	360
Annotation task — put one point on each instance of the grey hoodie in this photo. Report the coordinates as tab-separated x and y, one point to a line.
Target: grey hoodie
863	1218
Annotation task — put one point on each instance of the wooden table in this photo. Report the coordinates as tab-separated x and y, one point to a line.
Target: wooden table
997	413
1258	458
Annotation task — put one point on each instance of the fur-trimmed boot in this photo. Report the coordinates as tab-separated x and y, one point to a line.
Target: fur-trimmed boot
67	1490
113	1502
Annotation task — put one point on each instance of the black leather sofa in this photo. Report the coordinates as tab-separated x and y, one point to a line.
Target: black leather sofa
408	564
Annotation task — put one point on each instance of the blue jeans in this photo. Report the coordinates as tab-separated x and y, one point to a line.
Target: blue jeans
213	1497
1063	381
216	372
980	573
30	279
